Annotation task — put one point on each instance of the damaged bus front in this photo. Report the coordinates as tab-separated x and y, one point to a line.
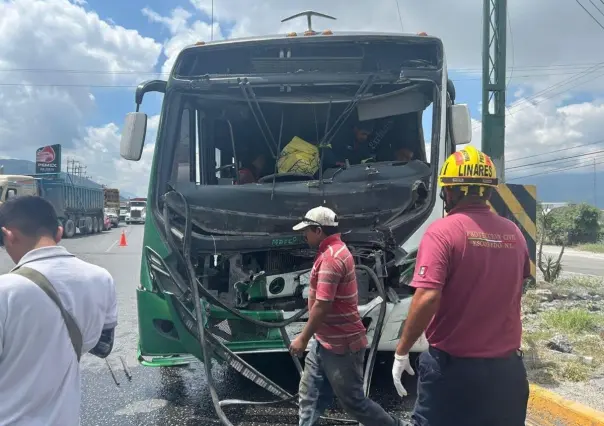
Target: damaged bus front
255	132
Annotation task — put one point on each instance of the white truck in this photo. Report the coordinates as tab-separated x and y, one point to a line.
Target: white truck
137	212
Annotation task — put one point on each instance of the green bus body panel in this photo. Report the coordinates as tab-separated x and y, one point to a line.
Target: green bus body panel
192	346
151	307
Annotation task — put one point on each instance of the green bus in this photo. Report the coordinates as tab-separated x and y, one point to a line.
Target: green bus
221	264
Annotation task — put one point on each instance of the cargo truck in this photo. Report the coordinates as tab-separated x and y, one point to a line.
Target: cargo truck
112	205
137	212
78	207
124	209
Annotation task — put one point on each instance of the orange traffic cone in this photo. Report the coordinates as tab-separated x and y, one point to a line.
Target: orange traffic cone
123	242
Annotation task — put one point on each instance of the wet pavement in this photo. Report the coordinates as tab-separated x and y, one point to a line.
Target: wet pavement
180	396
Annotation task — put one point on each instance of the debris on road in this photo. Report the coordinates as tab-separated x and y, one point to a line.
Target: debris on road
112	373
126	370
560	343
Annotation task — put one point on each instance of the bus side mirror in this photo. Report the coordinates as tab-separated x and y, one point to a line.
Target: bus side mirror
461	124
133	136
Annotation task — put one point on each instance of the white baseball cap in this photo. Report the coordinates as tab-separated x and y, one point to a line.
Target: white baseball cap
319	216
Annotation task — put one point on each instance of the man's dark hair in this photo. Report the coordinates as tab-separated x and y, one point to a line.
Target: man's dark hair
33	216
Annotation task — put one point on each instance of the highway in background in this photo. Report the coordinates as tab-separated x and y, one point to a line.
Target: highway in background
578	262
178	396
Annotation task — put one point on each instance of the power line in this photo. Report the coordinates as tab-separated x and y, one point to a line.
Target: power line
165	74
537	67
538	163
543	99
589	13
557	150
540	75
560	84
552	87
400	16
555	171
564	162
597	8
133	72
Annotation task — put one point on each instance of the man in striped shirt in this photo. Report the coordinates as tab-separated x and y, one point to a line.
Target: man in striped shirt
334	364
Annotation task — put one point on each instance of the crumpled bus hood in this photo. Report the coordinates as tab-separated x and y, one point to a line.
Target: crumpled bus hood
364	196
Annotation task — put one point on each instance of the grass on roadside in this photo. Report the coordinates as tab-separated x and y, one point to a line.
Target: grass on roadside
582	328
594	248
574	283
573	321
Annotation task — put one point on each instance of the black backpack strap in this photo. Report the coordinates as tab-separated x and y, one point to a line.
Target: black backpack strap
41	281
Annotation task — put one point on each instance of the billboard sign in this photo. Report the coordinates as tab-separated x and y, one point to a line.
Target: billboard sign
48	159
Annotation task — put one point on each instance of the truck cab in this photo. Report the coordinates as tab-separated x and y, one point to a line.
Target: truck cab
137	212
17	185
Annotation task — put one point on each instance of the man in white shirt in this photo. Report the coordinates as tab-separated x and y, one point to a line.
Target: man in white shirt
39	368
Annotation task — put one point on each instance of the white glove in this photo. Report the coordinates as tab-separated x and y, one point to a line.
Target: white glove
401	364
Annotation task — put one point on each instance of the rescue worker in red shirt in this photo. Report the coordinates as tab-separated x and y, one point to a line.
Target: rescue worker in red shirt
334	364
468	277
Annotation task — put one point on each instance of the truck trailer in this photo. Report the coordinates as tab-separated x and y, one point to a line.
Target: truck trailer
77	206
112	205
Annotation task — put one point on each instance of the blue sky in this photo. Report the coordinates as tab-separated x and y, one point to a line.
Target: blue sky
114	103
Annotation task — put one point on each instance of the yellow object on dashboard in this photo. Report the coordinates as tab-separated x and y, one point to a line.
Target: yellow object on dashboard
299	156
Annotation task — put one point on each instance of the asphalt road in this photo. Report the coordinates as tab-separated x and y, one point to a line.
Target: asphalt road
179	396
578	262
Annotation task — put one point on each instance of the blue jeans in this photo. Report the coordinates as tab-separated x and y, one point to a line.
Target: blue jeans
327	374
470	391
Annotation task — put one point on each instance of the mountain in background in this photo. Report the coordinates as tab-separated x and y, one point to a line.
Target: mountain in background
26	167
571	188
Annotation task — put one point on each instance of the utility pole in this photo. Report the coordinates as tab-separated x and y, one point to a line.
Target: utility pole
494	27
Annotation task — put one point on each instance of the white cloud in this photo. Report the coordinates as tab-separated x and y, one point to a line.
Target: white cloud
537	121
182	33
547	137
38	36
51	52
553	53
102	144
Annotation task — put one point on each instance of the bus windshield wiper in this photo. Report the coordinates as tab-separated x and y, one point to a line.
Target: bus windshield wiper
329	135
250	95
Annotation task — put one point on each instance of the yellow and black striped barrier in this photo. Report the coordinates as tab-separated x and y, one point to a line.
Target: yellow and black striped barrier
518	203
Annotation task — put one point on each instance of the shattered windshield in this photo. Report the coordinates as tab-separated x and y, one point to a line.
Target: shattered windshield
299	141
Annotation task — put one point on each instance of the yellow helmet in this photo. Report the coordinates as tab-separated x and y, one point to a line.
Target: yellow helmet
468	167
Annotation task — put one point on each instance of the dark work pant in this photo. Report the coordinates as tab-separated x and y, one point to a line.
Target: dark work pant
327	373
470	391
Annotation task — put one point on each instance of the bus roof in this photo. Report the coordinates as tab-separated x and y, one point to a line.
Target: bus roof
299	37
